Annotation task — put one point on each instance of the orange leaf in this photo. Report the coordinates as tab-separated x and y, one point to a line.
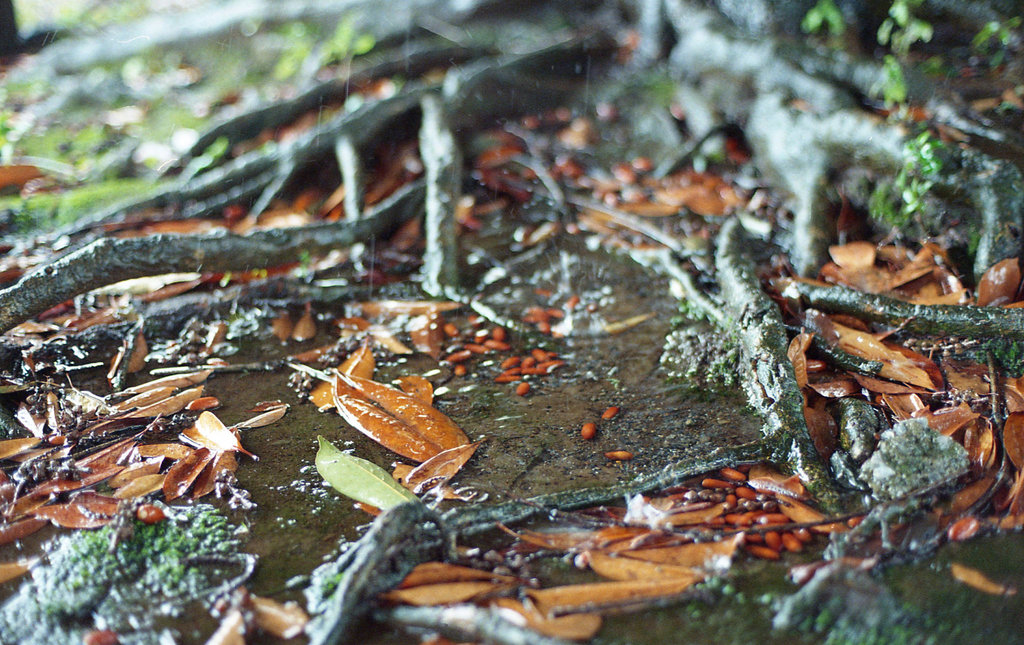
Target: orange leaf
595	596
704	555
184	472
281	620
207	480
172	451
430	573
210	432
306	327
444	593
406	307
999	284
140	486
73	516
147	467
11	570
439	468
392	433
426	420
575	627
978	580
11	531
797	356
1013	438
18	175
426	334
895	365
11	447
418	387
175	381
359	363
272	415
282	327
855	255
626	568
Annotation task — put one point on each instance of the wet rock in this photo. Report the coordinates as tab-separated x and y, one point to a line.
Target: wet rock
911	456
844	470
859	425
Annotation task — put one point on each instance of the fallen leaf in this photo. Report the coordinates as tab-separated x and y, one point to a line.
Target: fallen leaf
569	599
207	480
625	568
895	365
305	328
184	472
797	354
11	570
388	340
74	515
620	326
172	451
18	175
999	284
418	387
11	531
574	627
141	486
1013	438
439	468
146	467
359	363
710	556
282	326
392	433
231	630
429	573
11	447
978	580
176	381
359	479
406	307
445	593
145	398
272	415
210	432
855	255
426	334
286	620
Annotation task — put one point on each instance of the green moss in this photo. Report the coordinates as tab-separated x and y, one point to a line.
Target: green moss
86	583
45	211
1009	355
701	357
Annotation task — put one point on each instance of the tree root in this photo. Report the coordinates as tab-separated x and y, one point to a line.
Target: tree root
770	385
110	260
398	540
442	163
937	320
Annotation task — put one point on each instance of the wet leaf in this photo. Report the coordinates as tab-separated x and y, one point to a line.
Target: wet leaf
439	468
11	447
596	596
231	630
406	307
272	415
286	620
11	531
429	422
388	340
853	256
418	387
426	334
170	405
797	356
184	472
359	363
445	593
175	381
78	515
895	365
305	328
969	494
145	398
392	433
1013	438
172	451
282	326
207	480
359	479
620	326
710	556
430	573
626	568
950	419
999	284
147	467
141	486
978	580
11	570
574	627
210	432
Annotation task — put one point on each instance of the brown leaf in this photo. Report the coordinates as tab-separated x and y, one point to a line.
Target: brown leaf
305	328
426	334
286	620
282	327
574	627
207	480
979	440
359	363
969	494
406	307
145	398
418	387
430	573
11	447
184	472
444	593
210	432
136	470
822	428
712	556
175	381
853	256
272	415
948	420
999	284
231	630
74	515
392	433
18	175
170	405
426	420
895	365
439	468
569	599
11	570
141	486
172	451
11	531
626	568
388	340
978	580
1013	438
836	388
797	356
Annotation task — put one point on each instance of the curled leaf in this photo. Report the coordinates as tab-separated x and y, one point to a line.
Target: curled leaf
440	468
978	580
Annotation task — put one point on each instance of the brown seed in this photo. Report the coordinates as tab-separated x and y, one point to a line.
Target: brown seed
459	356
507	378
745	493
588	431
549	366
460	370
450	330
476	349
737	519
762	552
513	371
610	412
772	518
730	499
539	355
963	529
571	303
772	539
529	361
814	365
150	514
732	474
619	455
711	482
499	334
854	522
803	535
753	538
642	164
544	327
522	389
498	345
101	637
511	361
791	543
539	371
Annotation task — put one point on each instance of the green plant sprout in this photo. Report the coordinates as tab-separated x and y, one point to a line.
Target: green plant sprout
1001	34
900	31
825	14
922	163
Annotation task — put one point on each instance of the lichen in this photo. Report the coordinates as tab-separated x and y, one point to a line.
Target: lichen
912	457
701	358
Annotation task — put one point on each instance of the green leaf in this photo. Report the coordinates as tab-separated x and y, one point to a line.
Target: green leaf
359	479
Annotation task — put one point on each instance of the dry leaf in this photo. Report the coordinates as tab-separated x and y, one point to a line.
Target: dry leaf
445	593
999	284
437	572
184	472
175	381
569	599
797	356
11	570
853	256
141	486
978	580
210	432
625	568
710	556
439	468
286	620
231	630
272	415
305	328
574	627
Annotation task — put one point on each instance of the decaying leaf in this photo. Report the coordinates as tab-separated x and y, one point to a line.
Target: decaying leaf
11	447
574	627
895	364
175	381
797	356
445	593
11	570
625	568
597	596
359	479
439	468
184	472
281	620
305	328
978	580
210	432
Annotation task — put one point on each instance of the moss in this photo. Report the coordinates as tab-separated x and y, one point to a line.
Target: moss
702	358
85	583
1009	355
45	211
